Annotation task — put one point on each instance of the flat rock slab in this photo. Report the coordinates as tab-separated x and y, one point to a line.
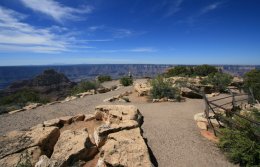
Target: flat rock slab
125	148
17	141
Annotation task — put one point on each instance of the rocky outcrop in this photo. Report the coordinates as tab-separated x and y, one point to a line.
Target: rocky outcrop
110	137
120	98
143	89
186	92
71	147
34	142
117	113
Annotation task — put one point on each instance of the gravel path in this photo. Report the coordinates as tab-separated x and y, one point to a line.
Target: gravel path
169	128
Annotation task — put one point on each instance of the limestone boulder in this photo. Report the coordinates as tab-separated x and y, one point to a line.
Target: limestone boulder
72	146
186	92
52	122
70	98
79	117
143	89
65	120
116	113
27	157
102	131
17	141
125	148
32	106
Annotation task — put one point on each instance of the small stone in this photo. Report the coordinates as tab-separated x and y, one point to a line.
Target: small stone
202	125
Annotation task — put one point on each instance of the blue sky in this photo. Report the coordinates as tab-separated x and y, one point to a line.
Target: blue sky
39	32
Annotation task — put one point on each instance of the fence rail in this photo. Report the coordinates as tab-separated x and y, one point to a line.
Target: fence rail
211	106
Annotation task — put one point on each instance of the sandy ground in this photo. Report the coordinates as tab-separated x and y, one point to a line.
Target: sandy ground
171	132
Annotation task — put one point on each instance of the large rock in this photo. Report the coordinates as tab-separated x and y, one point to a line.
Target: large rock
52	122
72	146
186	92
27	157
143	89
17	141
117	113
102	131
125	148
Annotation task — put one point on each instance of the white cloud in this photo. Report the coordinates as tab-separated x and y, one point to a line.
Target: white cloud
56	10
16	35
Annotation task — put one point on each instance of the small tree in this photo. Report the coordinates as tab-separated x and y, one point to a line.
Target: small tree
220	81
104	78
126	81
252	80
162	88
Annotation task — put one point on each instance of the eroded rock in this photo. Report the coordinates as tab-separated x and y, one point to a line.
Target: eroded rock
125	148
71	147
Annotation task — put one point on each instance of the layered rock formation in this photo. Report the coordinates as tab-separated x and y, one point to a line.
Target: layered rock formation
110	137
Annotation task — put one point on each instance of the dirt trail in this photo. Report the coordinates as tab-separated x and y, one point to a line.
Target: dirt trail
169	128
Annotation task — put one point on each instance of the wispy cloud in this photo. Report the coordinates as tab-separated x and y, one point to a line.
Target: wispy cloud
173	7
210	8
201	12
139	49
56	10
18	36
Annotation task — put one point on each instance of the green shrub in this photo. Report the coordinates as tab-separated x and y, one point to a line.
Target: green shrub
252	80
189	71
22	97
103	78
84	86
126	81
163	89
242	145
220	81
204	70
180	71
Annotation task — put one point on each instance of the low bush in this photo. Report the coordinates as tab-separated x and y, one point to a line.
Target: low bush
190	71
180	71
242	145
163	89
20	99
84	86
205	70
126	81
252	80
104	78
220	81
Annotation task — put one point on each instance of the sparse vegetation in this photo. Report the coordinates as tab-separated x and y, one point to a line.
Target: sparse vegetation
242	145
84	86
190	71
126	81
205	70
252	80
220	81
163	89
20	99
104	78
